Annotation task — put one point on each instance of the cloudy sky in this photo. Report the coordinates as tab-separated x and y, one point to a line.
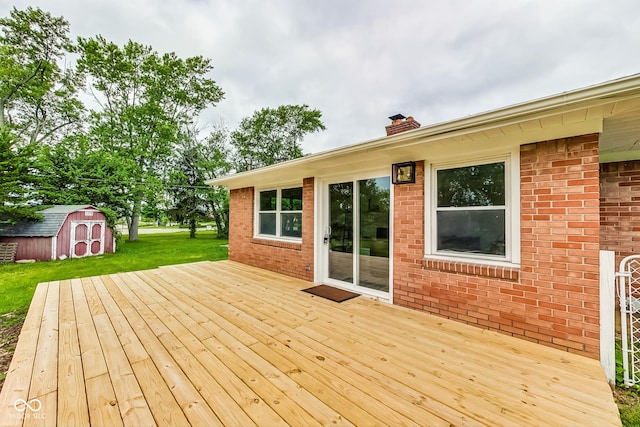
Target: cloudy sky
360	61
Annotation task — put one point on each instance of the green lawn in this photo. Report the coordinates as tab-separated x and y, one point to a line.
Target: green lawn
18	281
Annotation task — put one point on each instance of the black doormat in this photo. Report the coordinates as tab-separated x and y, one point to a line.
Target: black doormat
331	293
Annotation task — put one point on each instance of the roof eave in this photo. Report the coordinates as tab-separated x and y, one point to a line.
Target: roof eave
603	92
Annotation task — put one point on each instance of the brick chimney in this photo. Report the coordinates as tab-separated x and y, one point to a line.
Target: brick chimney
400	123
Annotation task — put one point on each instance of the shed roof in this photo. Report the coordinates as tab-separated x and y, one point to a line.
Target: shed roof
52	221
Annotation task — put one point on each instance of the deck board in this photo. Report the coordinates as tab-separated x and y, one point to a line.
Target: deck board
227	344
16	384
72	410
195	408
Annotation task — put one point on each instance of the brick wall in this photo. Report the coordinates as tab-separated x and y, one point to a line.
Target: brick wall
399	126
291	258
620	208
553	298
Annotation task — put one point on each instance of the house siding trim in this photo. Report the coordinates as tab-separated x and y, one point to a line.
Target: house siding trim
477	269
277	243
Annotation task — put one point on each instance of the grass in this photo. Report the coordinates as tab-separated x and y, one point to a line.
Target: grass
629	407
627	398
18	281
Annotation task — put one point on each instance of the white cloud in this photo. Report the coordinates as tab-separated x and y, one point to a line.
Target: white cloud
361	61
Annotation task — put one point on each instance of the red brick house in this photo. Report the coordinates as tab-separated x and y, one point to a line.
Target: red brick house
499	221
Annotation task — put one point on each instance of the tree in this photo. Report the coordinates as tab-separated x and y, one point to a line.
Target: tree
37	102
37	98
144	100
197	162
75	173
186	188
216	162
155	208
17	180
272	135
478	185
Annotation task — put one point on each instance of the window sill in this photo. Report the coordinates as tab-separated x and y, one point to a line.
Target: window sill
507	272
285	244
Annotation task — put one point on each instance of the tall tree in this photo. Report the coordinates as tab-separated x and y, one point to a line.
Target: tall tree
144	100
197	162
216	162
17	180
187	190
38	99
273	135
37	102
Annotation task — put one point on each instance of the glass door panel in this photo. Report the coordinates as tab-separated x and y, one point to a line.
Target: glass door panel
341	231
373	233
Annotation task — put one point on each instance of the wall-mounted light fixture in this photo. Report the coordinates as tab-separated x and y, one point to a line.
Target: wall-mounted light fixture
403	173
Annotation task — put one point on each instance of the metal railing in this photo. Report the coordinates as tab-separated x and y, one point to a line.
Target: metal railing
628	277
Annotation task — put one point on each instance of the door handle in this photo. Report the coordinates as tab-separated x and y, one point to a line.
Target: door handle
327	235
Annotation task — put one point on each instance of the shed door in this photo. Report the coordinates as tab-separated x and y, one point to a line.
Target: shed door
87	238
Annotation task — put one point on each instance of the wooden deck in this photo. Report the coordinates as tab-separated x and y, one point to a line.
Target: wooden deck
222	343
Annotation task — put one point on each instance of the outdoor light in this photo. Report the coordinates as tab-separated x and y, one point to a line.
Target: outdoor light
403	173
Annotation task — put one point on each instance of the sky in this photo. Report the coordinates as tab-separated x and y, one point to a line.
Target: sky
361	61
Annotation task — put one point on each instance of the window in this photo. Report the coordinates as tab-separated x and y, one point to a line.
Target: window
471	215
280	213
268	208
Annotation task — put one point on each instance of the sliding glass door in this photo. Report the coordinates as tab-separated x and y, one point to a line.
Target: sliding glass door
357	237
341	232
373	233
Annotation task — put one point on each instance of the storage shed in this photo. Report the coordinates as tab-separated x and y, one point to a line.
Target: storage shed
66	231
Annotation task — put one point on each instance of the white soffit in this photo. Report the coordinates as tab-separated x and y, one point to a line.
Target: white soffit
620	138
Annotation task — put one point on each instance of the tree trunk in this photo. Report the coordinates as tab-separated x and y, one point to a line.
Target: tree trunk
192	228
222	225
135	218
2	104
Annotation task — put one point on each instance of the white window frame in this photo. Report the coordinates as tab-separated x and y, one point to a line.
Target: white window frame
278	213
511	207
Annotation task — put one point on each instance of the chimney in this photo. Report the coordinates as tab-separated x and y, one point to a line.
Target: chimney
400	123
